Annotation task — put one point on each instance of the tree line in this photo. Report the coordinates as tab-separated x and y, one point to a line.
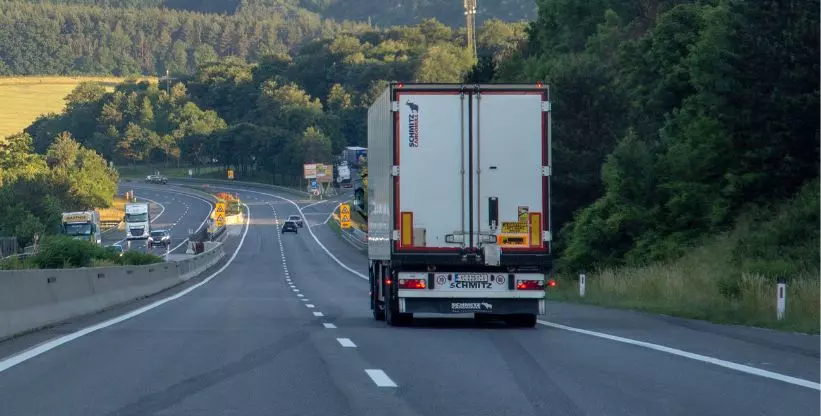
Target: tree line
382	13
672	119
35	188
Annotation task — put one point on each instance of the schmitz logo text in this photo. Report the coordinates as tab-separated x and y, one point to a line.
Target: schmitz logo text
413	125
463	306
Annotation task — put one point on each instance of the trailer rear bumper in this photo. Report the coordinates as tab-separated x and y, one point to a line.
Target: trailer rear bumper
501	306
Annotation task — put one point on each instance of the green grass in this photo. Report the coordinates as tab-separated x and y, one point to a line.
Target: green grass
701	285
729	278
23	99
141	171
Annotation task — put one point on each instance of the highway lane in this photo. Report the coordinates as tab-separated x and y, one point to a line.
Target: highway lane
247	343
241	344
487	369
173	208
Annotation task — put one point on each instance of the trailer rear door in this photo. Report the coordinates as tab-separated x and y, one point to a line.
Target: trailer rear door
510	169
431	151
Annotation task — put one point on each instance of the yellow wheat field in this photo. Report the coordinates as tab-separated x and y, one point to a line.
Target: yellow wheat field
23	99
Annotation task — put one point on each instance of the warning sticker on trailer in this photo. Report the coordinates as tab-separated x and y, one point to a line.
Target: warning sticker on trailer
514	227
523	214
513	240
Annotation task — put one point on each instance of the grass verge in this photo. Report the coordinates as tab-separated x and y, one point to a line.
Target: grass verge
23	99
697	286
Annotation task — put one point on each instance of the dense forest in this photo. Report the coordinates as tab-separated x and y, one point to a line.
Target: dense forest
674	120
379	12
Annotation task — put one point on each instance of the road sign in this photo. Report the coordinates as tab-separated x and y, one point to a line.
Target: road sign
313	184
345	216
220	220
220	208
230	174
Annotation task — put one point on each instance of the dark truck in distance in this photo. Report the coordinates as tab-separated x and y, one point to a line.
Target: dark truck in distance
459	201
156	178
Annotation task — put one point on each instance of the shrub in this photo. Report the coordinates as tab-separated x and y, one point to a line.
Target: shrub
59	251
136	258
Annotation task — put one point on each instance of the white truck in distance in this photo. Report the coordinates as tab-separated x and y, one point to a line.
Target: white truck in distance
137	221
459	202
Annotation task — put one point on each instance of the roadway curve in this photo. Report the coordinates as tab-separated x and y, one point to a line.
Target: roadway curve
284	329
172	207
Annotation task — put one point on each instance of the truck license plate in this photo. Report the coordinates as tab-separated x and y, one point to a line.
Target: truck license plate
472	277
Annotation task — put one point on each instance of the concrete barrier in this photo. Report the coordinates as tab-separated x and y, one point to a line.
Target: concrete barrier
32	299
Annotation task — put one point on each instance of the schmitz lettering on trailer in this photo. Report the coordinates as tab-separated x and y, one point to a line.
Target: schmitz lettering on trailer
413	125
471	285
471	306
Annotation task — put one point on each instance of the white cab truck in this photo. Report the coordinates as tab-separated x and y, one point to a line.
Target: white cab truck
137	221
459	201
82	225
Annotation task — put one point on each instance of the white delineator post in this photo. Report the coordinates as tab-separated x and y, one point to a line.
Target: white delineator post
781	298
582	283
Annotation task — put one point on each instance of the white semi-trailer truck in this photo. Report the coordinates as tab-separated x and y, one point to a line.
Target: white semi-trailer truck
459	201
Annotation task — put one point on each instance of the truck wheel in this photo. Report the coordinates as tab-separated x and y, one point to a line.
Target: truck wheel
525	320
394	318
378	310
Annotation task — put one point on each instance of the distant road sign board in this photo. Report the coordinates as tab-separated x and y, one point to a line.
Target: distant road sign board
313	184
230	174
219	212
309	170
345	216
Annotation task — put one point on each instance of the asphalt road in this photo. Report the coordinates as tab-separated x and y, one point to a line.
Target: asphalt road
285	330
172	207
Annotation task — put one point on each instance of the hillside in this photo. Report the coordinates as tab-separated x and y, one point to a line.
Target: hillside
382	13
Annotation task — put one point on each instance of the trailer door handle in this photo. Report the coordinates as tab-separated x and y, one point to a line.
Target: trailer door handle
493	212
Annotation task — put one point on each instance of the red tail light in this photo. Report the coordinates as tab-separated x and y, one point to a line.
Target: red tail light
530	285
413	284
551	283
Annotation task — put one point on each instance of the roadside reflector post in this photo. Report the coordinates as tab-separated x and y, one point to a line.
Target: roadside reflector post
582	282
781	298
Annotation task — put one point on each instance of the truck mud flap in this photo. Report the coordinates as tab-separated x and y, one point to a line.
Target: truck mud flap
467	305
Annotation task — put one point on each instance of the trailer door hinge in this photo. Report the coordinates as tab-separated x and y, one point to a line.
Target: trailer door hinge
546	171
395	235
547	236
394	106
547	106
395	170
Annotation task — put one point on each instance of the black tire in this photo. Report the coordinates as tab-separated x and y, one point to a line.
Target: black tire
378	309
394	318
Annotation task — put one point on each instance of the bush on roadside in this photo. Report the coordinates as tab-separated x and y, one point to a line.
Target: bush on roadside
137	258
58	252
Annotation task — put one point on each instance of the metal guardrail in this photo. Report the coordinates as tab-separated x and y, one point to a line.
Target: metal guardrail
356	237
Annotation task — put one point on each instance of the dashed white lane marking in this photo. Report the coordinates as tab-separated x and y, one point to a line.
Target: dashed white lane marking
329	326
318	314
299	295
26	355
661	348
380	378
345	342
305	300
296	290
311	306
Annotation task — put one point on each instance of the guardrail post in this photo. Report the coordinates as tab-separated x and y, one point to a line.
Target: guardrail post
781	298
582	283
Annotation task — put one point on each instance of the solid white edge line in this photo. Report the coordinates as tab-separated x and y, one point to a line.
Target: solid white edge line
380	378
26	355
346	342
681	353
311	231
693	356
